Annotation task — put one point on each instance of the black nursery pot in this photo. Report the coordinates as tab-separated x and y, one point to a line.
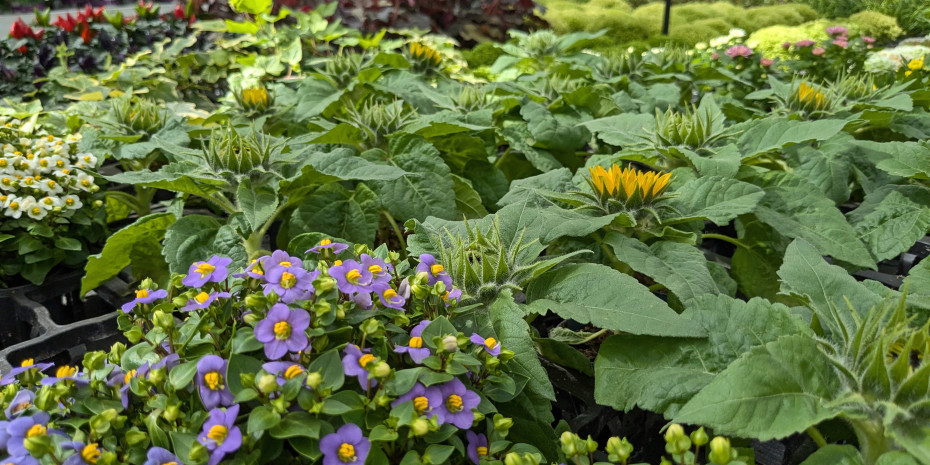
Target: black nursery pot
50	322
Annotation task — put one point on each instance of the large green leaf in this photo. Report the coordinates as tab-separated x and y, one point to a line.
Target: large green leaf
178	177
557	132
826	166
622	130
257	203
833	454
608	299
336	211
666	376
773	133
342	165
426	189
715	198
771	392
906	159
138	245
755	266
891	219
509	327
520	140
467	201
798	209
521	190
681	268
198	237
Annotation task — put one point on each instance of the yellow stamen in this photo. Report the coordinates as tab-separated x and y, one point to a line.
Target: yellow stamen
65	371
91	453
214	380
326	242
218	433
375	269
490	343
346	453
288	280
36	430
482	451
285	264
27	362
416	342
204	269
420	404
337	262
129	376
389	294
293	371
454	403
282	330
365	360
353	275
436	269
202	297
142	293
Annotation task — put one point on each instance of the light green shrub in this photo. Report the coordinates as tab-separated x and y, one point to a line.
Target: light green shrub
767	41
875	24
836	8
786	15
613	5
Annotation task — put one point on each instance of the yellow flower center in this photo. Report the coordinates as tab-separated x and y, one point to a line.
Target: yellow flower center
375	269
420	404
170	463
416	342
490	343
218	433
21	406
129	375
214	380
454	403
389	294
66	171
204	269
69	201
482	451
14	205
353	276
285	264
326	242
293	371
282	330
288	280
142	293
60	163
35	430
27	362
36	210
436	269
365	360
202	297
65	371
346	453
85	182
91	453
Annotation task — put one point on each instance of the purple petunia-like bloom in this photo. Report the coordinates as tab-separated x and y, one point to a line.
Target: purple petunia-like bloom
284	370
21	460
255	270
380	270
18	430
739	51
203	300
220	435
213	270
414	347
362	299
457	404
211	373
354	363
434	271
282	331
84	454
159	456
477	446
388	296
491	345
424	398
327	245
290	283
351	277
452	297
144	296
25	365
282	259
21	401
346	446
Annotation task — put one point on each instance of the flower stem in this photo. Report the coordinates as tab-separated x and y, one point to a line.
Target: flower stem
725	238
397	231
818	438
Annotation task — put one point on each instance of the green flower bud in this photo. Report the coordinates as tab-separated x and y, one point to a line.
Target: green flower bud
247	379
94	360
272	298
567	439
38	445
590	445
699	437
163	320
513	459
665	462
171	413
314	379
450	344
267	383
419	426
371	326
280	405
340	312
619	450
720	451
157	376
255	301
147	283
501	423
134	335
478	416
382	399
199	452
439	288
324	284
251	319
181	300
134	437
107	458
116	353
492	363
382	370
674	432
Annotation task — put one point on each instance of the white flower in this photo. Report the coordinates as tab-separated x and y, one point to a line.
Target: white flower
66	172
50	186
86	160
49	202
737	33
32	208
13	207
72	202
85	182
7	183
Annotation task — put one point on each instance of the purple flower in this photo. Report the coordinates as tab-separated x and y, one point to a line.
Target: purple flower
21	460
22	428
868	40
84	454
220	435
425	399
389	297
435	272
66	373
203	300
282	331
255	270
451	297
351	277
144	296
159	456
362	300
477	446
354	363
380	270
346	445
290	283
834	31
327	245
122	379
739	51
491	345
804	43
213	270
211	371
21	401
280	258
284	370
415	348
818	51
25	365
457	404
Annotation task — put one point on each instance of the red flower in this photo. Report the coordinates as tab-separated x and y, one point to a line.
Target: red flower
179	12
92	14
22	49
86	32
68	23
20	29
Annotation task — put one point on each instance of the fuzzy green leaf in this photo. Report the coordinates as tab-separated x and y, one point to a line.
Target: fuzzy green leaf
771	133
426	189
336	211
138	245
715	198
891	219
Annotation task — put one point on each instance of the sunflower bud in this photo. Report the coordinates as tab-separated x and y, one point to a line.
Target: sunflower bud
254	100
229	151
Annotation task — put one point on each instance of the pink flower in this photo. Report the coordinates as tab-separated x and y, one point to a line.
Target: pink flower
766	62
841	42
835	31
868	40
786	45
804	43
818	51
739	51
714	56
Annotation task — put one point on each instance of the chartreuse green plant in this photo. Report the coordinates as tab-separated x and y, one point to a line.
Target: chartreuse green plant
862	363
